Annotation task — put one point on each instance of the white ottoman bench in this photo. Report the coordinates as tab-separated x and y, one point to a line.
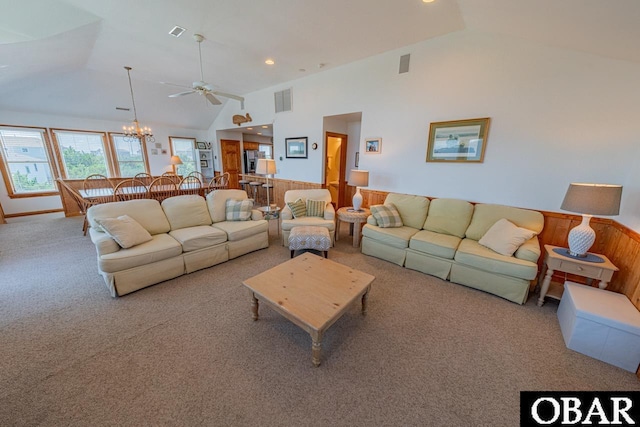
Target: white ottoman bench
602	324
309	237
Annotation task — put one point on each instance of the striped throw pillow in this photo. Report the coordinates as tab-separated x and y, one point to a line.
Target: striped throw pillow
387	216
238	210
316	208
298	208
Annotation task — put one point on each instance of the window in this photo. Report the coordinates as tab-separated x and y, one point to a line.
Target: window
22	148
130	156
82	153
185	149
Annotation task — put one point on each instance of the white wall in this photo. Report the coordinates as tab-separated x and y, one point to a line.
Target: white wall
557	116
157	163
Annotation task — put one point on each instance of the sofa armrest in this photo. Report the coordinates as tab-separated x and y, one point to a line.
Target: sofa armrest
372	221
329	212
286	213
530	250
256	215
104	243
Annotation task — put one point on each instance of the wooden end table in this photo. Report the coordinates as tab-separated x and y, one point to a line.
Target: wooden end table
356	220
310	291
602	271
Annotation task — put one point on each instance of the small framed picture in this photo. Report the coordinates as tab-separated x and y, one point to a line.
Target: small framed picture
158	145
164	151
204	163
296	148
372	145
357	158
201	145
154	151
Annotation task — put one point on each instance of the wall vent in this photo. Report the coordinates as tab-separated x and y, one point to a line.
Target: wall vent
123	109
177	31
404	63
283	100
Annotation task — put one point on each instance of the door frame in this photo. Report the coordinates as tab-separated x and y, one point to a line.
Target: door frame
342	188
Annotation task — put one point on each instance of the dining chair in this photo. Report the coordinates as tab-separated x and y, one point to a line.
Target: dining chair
175	178
162	188
144	177
100	187
82	203
199	175
130	189
190	184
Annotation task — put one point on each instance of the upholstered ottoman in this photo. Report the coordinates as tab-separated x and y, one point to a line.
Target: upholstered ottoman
601	324
309	237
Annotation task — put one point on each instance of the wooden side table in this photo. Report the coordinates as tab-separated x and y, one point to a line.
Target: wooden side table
602	271
355	219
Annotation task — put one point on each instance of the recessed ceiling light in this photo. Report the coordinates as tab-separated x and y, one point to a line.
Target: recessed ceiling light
249	128
269	62
264	126
177	31
259	133
427	1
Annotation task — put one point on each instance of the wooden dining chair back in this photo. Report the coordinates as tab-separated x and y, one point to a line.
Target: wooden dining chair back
175	178
130	189
190	185
83	204
100	187
199	175
220	182
144	177
162	188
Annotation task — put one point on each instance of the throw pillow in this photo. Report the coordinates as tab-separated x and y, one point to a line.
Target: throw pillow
238	210
298	208
126	231
316	208
387	216
504	237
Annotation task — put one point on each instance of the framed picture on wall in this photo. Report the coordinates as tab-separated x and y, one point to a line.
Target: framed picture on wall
204	163
458	141
372	145
296	148
200	145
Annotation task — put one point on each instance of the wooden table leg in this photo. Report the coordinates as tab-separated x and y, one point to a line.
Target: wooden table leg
545	286
356	234
365	299
316	348
337	233
254	306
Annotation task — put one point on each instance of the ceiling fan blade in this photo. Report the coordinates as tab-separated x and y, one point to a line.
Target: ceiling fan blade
173	84
229	95
212	99
175	95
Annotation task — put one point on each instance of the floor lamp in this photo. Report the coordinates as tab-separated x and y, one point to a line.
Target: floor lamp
266	167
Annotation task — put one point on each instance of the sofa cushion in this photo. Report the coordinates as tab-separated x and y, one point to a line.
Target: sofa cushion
186	211
437	244
217	202
397	237
412	209
316	208
238	230
147	212
449	216
530	250
289	224
162	246
126	231
386	216
199	237
505	238
473	254
298	208
485	215
238	210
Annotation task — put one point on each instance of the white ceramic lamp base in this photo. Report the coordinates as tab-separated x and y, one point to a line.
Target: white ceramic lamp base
581	238
357	200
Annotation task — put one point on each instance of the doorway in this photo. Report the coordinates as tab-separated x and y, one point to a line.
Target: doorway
230	158
335	167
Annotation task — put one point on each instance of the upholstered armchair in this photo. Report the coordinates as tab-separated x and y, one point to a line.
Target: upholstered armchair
327	220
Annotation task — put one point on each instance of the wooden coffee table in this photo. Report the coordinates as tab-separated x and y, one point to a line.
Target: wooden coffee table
310	291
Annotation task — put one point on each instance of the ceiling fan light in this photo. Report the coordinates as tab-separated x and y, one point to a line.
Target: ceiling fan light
269	61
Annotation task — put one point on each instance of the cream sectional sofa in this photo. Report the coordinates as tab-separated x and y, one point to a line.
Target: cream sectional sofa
440	237
188	233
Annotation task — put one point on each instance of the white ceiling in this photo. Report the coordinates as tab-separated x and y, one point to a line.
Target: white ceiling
66	57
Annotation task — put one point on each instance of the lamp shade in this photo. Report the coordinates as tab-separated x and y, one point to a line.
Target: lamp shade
175	160
358	178
266	167
593	199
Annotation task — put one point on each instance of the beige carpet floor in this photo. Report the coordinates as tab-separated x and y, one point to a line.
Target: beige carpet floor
187	353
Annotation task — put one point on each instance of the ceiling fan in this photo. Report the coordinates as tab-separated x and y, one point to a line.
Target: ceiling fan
203	88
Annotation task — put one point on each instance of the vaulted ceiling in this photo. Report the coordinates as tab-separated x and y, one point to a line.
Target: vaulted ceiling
66	57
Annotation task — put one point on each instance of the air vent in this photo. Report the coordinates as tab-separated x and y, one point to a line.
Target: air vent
283	100
123	109
177	31
404	63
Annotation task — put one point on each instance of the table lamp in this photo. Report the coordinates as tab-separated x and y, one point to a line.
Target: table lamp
175	160
266	167
589	200
358	178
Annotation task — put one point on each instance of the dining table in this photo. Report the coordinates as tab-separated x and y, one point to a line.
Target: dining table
94	195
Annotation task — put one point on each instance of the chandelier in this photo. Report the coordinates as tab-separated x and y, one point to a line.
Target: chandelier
135	132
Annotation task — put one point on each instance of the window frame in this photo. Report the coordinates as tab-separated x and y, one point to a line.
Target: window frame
106	145
6	171
193	147
114	153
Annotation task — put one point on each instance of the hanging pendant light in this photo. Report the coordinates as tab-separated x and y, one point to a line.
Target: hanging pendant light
135	132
